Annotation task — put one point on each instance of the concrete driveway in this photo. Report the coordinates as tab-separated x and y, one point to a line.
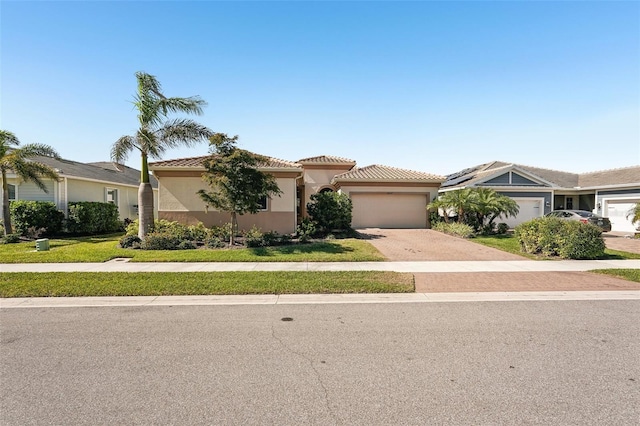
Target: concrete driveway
426	244
621	241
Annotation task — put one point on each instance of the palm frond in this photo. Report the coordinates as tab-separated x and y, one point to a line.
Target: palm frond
191	105
35	149
34	172
8	139
183	132
121	149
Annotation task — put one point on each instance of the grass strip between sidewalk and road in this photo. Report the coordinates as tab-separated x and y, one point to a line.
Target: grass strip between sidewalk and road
57	284
104	248
625	274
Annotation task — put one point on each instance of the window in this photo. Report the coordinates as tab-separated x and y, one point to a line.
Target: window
263	204
112	196
12	191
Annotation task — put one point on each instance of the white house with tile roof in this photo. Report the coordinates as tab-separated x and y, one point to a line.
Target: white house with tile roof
98	182
610	193
383	197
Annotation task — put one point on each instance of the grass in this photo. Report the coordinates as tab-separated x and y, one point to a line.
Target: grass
56	284
104	248
510	244
626	274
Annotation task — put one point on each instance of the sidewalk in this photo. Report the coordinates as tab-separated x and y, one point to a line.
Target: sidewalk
119	265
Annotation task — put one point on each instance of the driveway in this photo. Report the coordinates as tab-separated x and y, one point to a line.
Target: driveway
426	244
621	241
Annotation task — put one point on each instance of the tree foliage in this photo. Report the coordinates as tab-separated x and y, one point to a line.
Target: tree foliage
19	160
156	135
634	215
330	211
237	186
478	207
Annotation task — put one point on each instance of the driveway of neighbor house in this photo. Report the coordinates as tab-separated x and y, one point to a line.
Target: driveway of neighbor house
621	241
426	245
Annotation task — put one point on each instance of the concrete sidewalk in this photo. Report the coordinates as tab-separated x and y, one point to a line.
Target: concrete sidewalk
412	267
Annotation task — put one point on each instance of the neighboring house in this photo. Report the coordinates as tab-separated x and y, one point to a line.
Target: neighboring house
383	197
101	182
610	193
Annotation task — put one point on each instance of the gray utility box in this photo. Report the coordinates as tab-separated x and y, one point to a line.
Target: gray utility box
42	244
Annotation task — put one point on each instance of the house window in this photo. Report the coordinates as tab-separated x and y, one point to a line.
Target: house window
12	191
112	196
263	204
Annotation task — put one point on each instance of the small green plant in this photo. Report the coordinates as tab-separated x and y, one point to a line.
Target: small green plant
11	239
458	229
306	230
215	242
130	241
254	238
502	228
186	245
160	241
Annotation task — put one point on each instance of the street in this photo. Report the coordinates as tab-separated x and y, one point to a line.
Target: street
550	362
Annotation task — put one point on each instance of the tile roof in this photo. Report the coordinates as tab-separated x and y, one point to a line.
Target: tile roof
621	176
103	171
326	159
467	177
376	172
198	163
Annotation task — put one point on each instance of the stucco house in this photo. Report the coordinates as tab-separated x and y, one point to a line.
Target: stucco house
610	193
382	196
100	181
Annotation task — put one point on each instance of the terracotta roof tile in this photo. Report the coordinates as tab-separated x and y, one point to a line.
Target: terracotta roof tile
326	159
376	172
197	163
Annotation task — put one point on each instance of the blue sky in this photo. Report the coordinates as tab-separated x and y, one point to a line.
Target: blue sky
429	86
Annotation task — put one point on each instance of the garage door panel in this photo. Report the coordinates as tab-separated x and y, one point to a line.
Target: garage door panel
617	212
529	209
395	210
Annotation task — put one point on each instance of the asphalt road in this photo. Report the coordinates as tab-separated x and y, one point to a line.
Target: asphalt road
380	364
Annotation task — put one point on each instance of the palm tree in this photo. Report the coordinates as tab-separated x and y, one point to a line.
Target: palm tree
17	159
458	201
156	135
489	205
634	215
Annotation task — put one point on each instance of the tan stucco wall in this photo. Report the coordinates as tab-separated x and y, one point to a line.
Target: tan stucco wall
282	222
316	179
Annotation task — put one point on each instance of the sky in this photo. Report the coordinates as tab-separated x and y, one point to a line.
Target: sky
429	86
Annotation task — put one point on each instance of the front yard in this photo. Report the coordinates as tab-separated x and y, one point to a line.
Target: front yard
105	248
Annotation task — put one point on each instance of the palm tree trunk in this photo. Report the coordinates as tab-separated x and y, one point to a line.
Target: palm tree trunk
145	209
6	214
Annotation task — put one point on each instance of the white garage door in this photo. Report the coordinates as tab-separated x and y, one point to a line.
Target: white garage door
617	212
395	210
529	209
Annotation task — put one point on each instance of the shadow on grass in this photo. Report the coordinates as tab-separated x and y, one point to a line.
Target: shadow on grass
329	248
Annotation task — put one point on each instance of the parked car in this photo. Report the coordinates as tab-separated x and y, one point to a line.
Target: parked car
583	216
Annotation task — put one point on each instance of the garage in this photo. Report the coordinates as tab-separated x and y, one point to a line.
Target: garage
389	210
529	209
617	211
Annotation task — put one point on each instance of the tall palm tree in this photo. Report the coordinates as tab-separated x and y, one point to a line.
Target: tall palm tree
17	159
156	135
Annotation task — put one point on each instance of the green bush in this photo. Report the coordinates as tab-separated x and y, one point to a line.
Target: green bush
130	241
10	239
215	242
550	237
306	230
254	238
160	241
186	245
36	215
197	232
222	232
457	229
90	218
502	228
330	211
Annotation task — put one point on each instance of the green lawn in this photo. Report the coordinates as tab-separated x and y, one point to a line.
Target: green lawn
626	274
510	244
30	284
104	248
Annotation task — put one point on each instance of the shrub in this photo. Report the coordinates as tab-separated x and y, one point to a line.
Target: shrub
214	242
88	217
254	238
502	228
160	241
11	239
36	214
555	237
330	210
306	230
222	232
457	229
186	245
130	241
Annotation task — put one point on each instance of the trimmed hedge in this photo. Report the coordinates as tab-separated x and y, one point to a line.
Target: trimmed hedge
88	217
31	216
550	237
